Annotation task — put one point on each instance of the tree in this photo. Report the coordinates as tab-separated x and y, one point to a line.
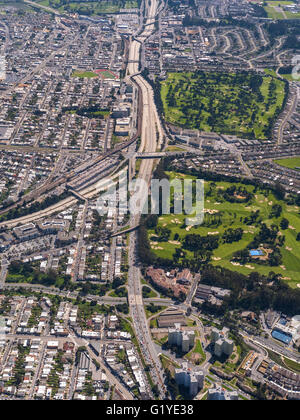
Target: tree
279	191
155	390
284	224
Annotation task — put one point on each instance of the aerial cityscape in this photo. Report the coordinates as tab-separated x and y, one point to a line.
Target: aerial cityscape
149	200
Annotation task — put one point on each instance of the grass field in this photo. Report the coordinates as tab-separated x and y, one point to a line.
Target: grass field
169	364
197	354
288	77
233	215
276	11
284	362
151	294
243	105
84	74
292	365
291	163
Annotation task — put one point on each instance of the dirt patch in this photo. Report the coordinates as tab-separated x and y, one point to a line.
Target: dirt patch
159	336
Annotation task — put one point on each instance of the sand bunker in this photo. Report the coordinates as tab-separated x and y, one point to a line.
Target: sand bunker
175	221
210	211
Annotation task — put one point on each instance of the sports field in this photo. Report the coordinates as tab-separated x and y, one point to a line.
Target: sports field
106	74
84	74
232	215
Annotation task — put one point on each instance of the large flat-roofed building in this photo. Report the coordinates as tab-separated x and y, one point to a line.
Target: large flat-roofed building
122	130
203	292
121	111
31	231
287	330
170	318
53	226
26	232
208	293
5	133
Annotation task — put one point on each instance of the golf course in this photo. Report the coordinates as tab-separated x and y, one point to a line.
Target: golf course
235	216
241	104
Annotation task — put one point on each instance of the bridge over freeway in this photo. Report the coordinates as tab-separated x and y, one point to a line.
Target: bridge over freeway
76	193
158	155
125	230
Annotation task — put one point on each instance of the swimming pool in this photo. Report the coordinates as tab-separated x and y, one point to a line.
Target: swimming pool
256	253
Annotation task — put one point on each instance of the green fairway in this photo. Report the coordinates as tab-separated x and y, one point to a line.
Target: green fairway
240	104
291	163
287	76
222	215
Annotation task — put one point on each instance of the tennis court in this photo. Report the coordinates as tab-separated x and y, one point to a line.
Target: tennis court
281	336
